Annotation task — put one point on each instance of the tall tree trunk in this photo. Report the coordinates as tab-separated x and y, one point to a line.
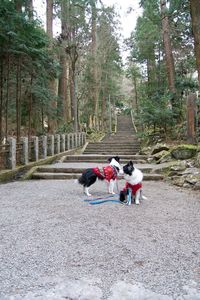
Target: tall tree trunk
168	52
7	95
30	108
195	15
64	81
18	100
136	93
1	99
74	103
52	82
62	85
29	7
18	5
49	18
95	93
103	112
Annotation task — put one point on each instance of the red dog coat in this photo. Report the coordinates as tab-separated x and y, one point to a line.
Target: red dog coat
134	187
109	173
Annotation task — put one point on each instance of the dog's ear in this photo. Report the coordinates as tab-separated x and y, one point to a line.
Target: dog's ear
109	159
130	163
117	158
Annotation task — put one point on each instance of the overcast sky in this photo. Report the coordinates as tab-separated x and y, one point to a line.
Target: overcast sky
128	20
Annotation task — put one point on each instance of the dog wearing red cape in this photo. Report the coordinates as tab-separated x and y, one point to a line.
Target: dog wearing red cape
133	177
108	173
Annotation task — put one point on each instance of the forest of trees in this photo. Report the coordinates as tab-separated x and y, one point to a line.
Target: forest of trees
65	83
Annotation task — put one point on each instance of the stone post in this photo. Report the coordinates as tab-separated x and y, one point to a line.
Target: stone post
62	143
44	146
75	140
71	141
84	138
79	139
50	147
11	158
24	153
57	143
68	141
35	150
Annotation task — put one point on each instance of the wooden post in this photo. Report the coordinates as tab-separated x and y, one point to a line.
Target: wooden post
191	113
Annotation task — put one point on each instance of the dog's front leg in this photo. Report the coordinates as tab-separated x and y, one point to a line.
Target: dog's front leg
111	186
137	197
86	191
142	197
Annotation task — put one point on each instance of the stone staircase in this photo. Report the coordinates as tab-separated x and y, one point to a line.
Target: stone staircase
123	143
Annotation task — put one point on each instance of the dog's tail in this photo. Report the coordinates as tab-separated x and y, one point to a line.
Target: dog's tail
81	180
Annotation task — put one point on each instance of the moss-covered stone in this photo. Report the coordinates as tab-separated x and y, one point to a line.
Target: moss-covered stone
159	147
197	160
165	158
160	154
184	151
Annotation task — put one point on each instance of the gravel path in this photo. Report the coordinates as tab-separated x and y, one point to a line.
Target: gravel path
53	245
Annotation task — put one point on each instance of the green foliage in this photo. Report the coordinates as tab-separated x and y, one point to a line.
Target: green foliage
156	112
65	128
94	135
31	65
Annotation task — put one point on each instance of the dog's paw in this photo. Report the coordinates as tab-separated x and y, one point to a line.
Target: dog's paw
137	202
89	195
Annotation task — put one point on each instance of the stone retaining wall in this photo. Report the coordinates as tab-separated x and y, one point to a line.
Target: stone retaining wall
36	148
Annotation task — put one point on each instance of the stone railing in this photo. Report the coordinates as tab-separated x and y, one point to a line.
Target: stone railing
27	150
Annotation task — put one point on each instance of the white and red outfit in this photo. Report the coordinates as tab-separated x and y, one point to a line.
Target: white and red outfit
134	182
109	173
134	187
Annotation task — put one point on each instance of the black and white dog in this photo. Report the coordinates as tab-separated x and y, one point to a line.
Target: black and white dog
133	177
108	173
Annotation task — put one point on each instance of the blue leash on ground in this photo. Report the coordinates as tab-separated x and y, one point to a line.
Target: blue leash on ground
101	200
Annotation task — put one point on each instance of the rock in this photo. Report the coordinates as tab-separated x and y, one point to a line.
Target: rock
197	160
181	166
197	186
192	179
165	158
184	151
145	151
159	147
193	171
159	155
178	180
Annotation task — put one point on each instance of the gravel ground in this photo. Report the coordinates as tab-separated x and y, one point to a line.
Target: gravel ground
53	245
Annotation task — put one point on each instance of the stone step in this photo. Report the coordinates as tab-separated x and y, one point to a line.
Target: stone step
117	143
102	157
40	175
120	138
119	149
122	161
67	170
113	146
111	152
